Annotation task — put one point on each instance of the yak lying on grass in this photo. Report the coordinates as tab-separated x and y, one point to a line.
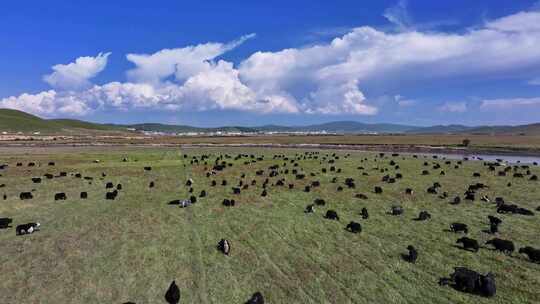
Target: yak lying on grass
470	281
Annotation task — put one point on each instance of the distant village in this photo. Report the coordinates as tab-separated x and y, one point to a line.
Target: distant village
236	133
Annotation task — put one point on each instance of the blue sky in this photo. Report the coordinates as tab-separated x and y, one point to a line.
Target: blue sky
210	63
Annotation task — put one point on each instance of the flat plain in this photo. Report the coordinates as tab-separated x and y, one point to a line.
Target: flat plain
131	248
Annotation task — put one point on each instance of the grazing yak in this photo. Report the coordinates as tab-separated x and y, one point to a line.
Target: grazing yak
423	216
364	213
466	280
396	210
505	246
319	202
224	246
172	296
514	209
310	208
60	196
4	222
27	228
361	196
228	203
411	256
354	227
494	223
111	195
469	244
256	298
532	253
458	227
378	190
331	215
84	195
26	196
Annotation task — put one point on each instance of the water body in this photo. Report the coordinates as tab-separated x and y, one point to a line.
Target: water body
508	158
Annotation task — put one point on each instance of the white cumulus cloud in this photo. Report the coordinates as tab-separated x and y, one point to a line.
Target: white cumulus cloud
76	75
327	78
181	62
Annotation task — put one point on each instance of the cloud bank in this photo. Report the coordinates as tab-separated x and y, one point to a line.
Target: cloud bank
76	75
327	78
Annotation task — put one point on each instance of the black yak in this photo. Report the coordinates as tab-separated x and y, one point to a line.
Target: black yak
412	256
532	253
331	215
60	196
4	222
27	228
354	227
256	298
364	213
172	296
310	208
26	196
470	281
469	244
396	210
457	227
224	246
423	216
505	246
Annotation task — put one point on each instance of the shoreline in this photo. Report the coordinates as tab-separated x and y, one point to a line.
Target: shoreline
403	148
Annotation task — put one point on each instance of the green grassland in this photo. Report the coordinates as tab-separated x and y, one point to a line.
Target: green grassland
18	121
130	249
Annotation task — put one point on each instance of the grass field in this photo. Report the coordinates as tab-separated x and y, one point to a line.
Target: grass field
130	249
479	143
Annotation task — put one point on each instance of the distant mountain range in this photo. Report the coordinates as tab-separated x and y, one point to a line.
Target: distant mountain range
17	121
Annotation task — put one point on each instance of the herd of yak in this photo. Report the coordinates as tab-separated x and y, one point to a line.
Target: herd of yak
462	279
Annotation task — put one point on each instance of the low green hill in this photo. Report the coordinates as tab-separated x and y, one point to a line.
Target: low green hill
18	121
